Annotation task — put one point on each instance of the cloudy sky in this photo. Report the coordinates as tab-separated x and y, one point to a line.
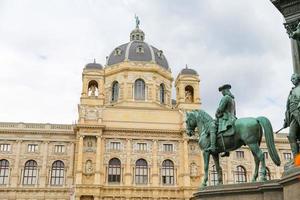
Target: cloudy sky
45	45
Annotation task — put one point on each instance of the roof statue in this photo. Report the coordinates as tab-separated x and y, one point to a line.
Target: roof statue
137	21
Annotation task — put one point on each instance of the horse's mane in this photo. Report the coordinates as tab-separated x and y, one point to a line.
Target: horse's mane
204	115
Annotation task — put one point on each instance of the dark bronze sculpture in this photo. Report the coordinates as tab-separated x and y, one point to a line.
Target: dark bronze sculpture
292	115
225	116
290	11
247	131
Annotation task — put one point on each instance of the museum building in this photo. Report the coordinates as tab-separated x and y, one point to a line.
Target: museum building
129	142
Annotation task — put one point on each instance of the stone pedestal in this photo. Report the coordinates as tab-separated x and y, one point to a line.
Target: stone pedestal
287	188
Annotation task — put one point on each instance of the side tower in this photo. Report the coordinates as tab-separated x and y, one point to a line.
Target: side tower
187	89
92	95
90	128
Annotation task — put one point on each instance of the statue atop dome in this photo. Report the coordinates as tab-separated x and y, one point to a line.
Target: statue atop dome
137	21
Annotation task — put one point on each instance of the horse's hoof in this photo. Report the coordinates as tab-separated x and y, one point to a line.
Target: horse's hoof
263	179
203	185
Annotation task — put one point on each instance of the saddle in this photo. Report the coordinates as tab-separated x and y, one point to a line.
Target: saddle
227	133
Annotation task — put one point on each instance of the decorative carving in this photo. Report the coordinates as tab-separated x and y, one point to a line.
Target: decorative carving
290	10
89	167
93	113
291	27
193	170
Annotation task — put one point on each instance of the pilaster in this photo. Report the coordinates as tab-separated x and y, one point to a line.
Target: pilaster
155	175
98	158
128	173
43	175
16	168
79	160
186	174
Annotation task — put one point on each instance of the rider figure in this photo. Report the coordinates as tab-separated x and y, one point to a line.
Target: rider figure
292	114
225	116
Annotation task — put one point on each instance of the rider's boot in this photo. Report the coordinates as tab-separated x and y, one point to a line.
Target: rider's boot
212	147
294	146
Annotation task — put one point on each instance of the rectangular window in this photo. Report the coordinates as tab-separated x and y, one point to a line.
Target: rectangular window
287	156
5	147
168	147
142	146
59	149
32	148
266	155
239	154
115	145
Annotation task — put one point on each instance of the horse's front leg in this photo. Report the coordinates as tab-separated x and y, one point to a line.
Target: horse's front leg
218	168
206	165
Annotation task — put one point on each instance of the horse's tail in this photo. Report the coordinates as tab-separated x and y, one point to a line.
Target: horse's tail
268	130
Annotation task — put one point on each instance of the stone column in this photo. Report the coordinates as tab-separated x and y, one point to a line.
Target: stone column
16	171
79	160
128	173
98	158
155	174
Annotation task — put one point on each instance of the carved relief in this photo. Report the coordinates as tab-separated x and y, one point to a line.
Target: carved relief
90	144
89	167
193	170
90	113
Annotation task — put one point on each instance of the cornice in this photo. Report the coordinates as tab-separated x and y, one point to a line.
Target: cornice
36	131
135	130
129	66
89	126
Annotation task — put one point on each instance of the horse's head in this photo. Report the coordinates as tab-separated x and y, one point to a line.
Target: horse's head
191	123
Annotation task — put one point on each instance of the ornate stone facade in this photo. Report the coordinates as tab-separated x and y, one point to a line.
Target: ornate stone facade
129	142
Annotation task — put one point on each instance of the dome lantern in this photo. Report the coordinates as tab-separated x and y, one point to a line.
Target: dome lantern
137	50
137	34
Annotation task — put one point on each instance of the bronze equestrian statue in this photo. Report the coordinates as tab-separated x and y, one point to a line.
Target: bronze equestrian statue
244	131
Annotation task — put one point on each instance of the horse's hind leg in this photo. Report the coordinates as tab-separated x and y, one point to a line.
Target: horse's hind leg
255	175
206	164
218	168
260	156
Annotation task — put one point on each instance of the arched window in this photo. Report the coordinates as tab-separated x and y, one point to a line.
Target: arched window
189	94
114	170
168	172
213	176
57	173
4	171
93	88
139	90
30	173
240	174
162	93
141	172
115	92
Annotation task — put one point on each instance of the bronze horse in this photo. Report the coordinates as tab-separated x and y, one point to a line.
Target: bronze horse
247	131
